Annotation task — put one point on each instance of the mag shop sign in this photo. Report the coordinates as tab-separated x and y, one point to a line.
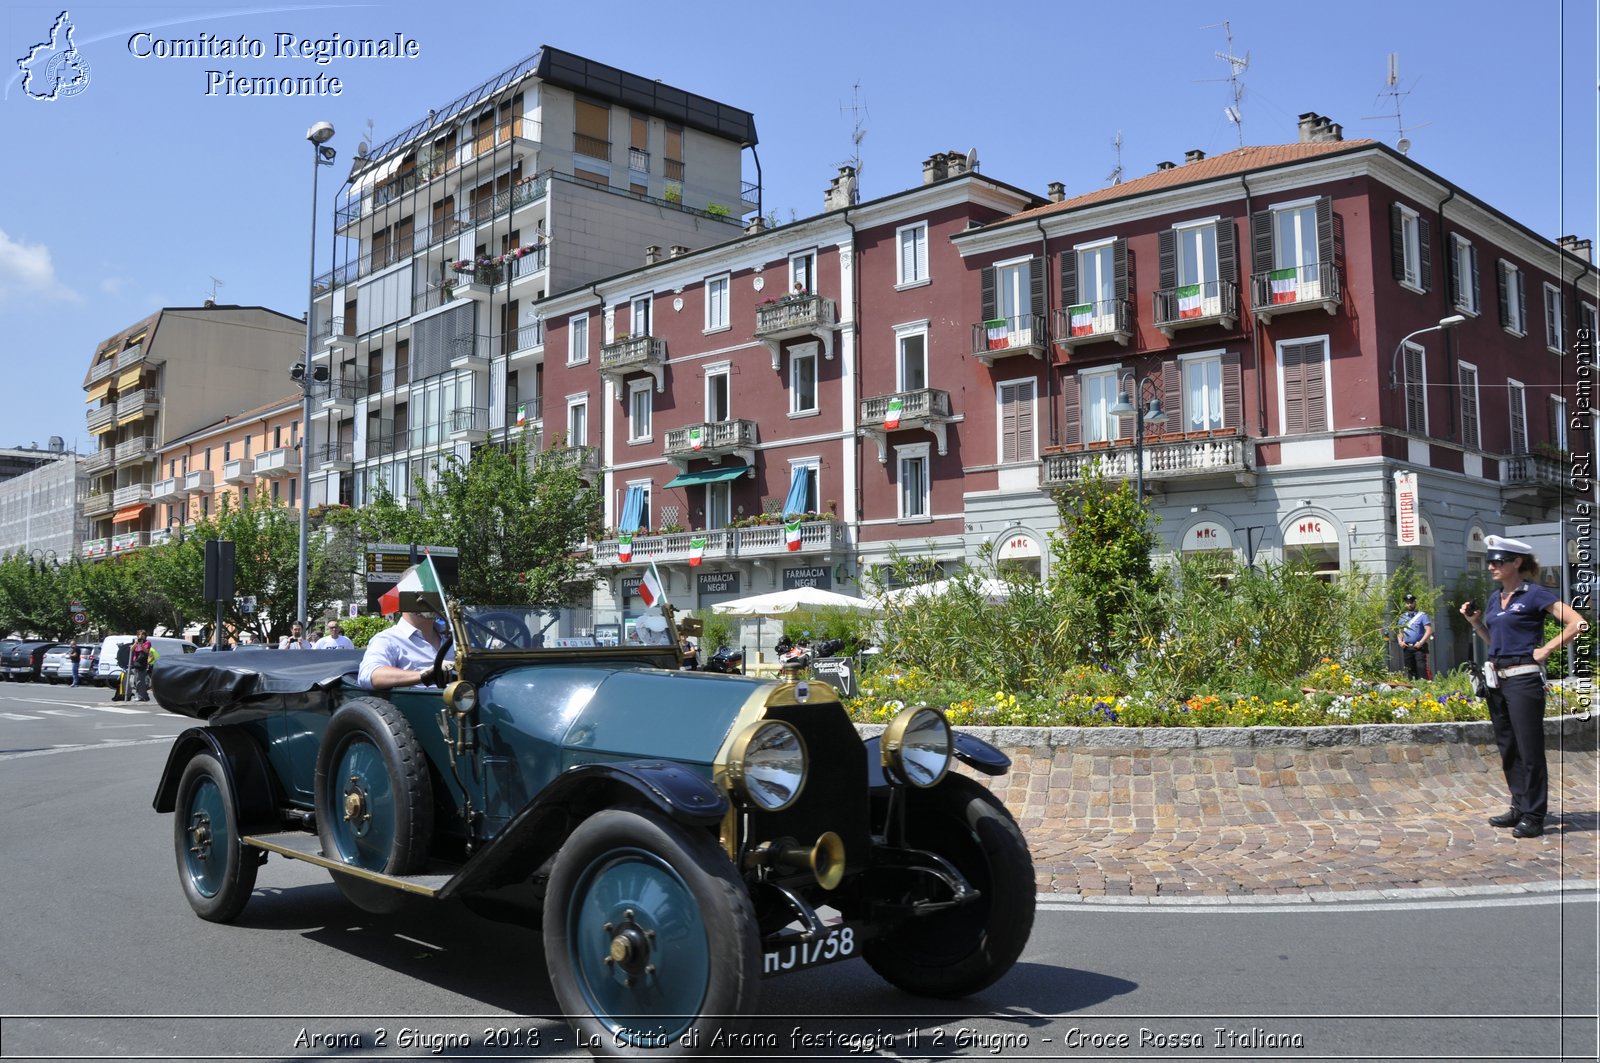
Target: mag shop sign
1405	509
717	584
811	576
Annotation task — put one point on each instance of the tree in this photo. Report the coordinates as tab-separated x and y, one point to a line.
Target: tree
1102	571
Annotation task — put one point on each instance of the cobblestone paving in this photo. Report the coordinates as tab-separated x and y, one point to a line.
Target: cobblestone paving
1198	822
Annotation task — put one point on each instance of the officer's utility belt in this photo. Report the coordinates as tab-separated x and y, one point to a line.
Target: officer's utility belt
1493	673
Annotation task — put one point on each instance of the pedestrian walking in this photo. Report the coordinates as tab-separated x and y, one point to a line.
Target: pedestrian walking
1512	623
139	661
76	654
1416	631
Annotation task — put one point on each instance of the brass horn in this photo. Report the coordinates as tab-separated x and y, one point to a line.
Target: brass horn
825	859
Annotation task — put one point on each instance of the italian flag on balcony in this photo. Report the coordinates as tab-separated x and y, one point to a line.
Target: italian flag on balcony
1082	319
625	547
1285	285
791	535
522	415
999	339
417	590
1189	301
696	438
891	419
697	549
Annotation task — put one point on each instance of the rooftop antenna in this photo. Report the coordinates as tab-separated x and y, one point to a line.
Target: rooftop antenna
1236	67
1115	176
858	133
212	298
1396	94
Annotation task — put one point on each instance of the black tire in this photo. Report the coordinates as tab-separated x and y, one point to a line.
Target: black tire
692	963
217	871
374	799
962	950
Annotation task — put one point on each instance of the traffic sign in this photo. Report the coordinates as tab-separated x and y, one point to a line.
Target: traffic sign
80	618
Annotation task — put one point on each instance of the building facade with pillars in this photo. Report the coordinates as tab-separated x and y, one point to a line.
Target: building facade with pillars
551	174
817	371
158	380
253	455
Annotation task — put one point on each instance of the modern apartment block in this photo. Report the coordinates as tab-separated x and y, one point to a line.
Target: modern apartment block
157	380
41	502
550	175
243	456
922	372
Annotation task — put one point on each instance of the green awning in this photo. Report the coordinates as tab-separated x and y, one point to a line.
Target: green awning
708	476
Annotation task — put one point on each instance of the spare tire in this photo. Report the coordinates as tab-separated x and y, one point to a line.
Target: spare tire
374	799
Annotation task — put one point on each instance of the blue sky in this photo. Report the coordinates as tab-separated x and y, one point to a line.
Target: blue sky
138	191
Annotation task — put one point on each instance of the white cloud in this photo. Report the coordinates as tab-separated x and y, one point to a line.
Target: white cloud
26	269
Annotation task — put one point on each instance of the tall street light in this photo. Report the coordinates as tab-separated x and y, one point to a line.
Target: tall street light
1394	363
304	373
1148	391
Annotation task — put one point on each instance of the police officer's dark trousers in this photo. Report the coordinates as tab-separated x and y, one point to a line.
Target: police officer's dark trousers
1516	709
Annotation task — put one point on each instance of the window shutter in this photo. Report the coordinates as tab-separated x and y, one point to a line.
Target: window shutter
1425	253
1069	278
1024	419
1397	241
1036	287
1517	398
1172	396
1503	273
1416	397
1071	410
986	292
1167	259
1522	302
1316	389
1552	420
1008	424
1472	254
1121	268
922	253
1294	390
1232	391
1452	268
1468	378
1326	249
1261	241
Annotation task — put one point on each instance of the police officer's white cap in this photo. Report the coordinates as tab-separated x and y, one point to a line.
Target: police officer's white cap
1503	549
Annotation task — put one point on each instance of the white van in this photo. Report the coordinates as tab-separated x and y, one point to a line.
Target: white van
108	672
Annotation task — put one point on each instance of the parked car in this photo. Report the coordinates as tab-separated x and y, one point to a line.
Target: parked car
86	664
21	663
676	835
110	664
54	657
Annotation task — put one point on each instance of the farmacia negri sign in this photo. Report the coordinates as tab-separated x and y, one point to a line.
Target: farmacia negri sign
318	50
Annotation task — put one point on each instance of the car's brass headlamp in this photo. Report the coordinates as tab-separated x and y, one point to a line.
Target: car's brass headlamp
767	765
917	747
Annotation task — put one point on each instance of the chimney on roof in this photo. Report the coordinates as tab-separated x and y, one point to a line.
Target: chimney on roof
841	190
1058	191
676	250
757	224
1166	166
210	303
1318	129
1193	155
934	168
1574	246
955	163
652	254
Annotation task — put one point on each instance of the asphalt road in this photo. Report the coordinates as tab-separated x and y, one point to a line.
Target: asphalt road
100	957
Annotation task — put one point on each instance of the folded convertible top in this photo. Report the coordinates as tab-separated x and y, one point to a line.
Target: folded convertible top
203	684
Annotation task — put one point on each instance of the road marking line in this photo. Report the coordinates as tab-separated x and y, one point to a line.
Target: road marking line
114	744
18	716
61	712
119	708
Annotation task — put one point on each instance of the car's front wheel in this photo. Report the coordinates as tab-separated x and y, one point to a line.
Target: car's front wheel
649	935
216	869
961	950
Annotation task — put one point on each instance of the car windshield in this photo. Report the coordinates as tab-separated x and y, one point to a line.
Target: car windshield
521	627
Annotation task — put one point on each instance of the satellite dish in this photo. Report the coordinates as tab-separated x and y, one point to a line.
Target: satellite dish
1404	145
972	160
362	149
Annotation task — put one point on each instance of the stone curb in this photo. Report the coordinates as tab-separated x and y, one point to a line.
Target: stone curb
1326	897
1585	728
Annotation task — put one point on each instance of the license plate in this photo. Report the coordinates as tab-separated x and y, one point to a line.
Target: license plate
837	944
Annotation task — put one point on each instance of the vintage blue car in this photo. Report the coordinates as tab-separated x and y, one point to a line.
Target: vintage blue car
677	835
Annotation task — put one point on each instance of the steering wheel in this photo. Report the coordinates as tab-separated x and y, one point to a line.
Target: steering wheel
504	628
444	675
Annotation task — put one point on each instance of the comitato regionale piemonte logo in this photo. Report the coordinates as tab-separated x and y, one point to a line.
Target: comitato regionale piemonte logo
55	69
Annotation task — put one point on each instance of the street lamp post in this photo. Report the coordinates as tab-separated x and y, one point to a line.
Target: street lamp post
1394	363
304	373
1148	391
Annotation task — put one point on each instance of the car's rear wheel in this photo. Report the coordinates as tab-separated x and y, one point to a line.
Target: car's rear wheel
216	869
649	936
374	799
963	949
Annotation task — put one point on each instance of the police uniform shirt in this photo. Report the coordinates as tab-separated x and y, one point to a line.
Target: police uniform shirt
1515	629
1414	624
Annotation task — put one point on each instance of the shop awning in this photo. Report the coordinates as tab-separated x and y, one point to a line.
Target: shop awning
98	391
708	476
129	513
129	377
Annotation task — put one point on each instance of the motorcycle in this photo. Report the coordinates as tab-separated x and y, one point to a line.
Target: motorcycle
726	661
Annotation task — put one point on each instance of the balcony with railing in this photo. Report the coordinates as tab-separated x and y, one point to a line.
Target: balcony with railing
925	408
585	459
339	395
1537	475
593	147
1313	286
430	164
529	263
1086	323
758	543
1198	456
750	195
634	354
278	462
100	460
1005	337
97	548
239	471
338	335
143	402
714	440
98	504
102	369
101	418
335	456
197	482
162	536
672	169
137	449
130	495
1193	305
129	357
526	345
472	352
796	317
468	424
166	490
129	541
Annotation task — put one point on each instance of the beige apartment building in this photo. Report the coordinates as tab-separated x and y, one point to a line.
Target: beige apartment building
160	380
244	456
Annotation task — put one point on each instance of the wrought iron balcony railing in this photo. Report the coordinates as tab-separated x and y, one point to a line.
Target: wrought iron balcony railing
1084	323
1313	285
1208	303
1003	337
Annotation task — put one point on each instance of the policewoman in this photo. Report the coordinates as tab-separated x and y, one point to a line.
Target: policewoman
1512	623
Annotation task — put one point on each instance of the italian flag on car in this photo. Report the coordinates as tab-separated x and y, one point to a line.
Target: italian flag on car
1189	301
417	590
791	535
625	547
891	420
998	337
650	588
697	549
1285	285
1082	319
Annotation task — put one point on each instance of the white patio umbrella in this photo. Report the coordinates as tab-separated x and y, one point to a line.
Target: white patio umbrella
796	602
994	591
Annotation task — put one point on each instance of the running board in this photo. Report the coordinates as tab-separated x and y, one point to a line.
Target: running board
298	845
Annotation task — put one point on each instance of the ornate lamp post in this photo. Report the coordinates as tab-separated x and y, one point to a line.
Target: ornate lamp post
1149	390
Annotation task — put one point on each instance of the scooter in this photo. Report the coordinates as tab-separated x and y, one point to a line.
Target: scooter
727	661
